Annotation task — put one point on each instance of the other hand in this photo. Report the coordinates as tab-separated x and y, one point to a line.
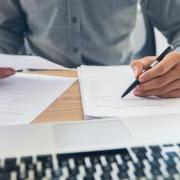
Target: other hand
163	80
6	72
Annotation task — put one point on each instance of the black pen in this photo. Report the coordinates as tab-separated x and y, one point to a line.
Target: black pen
159	58
34	70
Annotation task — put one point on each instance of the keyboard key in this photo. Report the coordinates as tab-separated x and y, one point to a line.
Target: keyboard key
172	170
89	177
156	155
123	174
123	167
95	160
73	172
63	162
125	154
39	175
170	163
57	173
27	161
87	162
72	163
82	172
4	175
139	165
98	169
90	171
156	172
22	171
46	160
79	161
119	159
13	175
110	159
107	168
140	153
115	168
31	174
106	176
139	150
172	154
48	173
154	164
168	145
65	172
10	164
139	173
32	167
155	148
103	161
72	178
141	157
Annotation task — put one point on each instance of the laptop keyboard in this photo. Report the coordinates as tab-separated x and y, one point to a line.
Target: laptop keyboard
146	162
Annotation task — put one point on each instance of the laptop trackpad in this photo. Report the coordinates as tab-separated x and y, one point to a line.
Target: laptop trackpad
91	135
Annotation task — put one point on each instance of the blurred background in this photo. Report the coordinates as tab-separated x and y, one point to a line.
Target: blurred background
146	39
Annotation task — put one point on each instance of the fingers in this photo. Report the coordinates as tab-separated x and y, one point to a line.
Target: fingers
170	61
139	65
5	72
161	81
172	94
159	91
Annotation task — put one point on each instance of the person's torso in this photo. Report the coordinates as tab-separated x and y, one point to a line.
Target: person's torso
64	31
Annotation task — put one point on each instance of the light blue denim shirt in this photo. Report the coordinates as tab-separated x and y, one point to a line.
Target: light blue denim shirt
64	31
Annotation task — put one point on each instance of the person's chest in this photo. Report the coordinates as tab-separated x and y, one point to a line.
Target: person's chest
60	11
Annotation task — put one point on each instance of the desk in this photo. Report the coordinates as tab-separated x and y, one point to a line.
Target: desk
65	108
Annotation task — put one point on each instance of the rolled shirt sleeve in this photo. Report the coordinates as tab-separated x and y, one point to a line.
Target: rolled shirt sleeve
12	26
165	15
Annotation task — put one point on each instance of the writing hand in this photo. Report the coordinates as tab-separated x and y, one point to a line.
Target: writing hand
163	80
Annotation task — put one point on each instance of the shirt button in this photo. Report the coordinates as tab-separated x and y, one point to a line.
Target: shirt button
74	19
75	49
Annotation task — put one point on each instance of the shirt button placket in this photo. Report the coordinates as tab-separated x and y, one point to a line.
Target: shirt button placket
74	19
75	29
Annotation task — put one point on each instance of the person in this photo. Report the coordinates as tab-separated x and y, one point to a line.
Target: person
75	32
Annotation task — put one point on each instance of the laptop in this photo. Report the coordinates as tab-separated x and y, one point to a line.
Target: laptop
143	148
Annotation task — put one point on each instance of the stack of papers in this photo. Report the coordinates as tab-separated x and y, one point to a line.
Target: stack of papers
24	96
101	90
27	62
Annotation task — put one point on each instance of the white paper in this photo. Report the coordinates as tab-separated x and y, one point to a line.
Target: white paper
27	62
24	96
101	90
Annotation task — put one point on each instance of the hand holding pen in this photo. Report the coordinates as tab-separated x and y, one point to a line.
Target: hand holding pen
163	80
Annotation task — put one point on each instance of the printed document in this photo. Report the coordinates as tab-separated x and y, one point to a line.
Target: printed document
19	62
101	90
24	96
